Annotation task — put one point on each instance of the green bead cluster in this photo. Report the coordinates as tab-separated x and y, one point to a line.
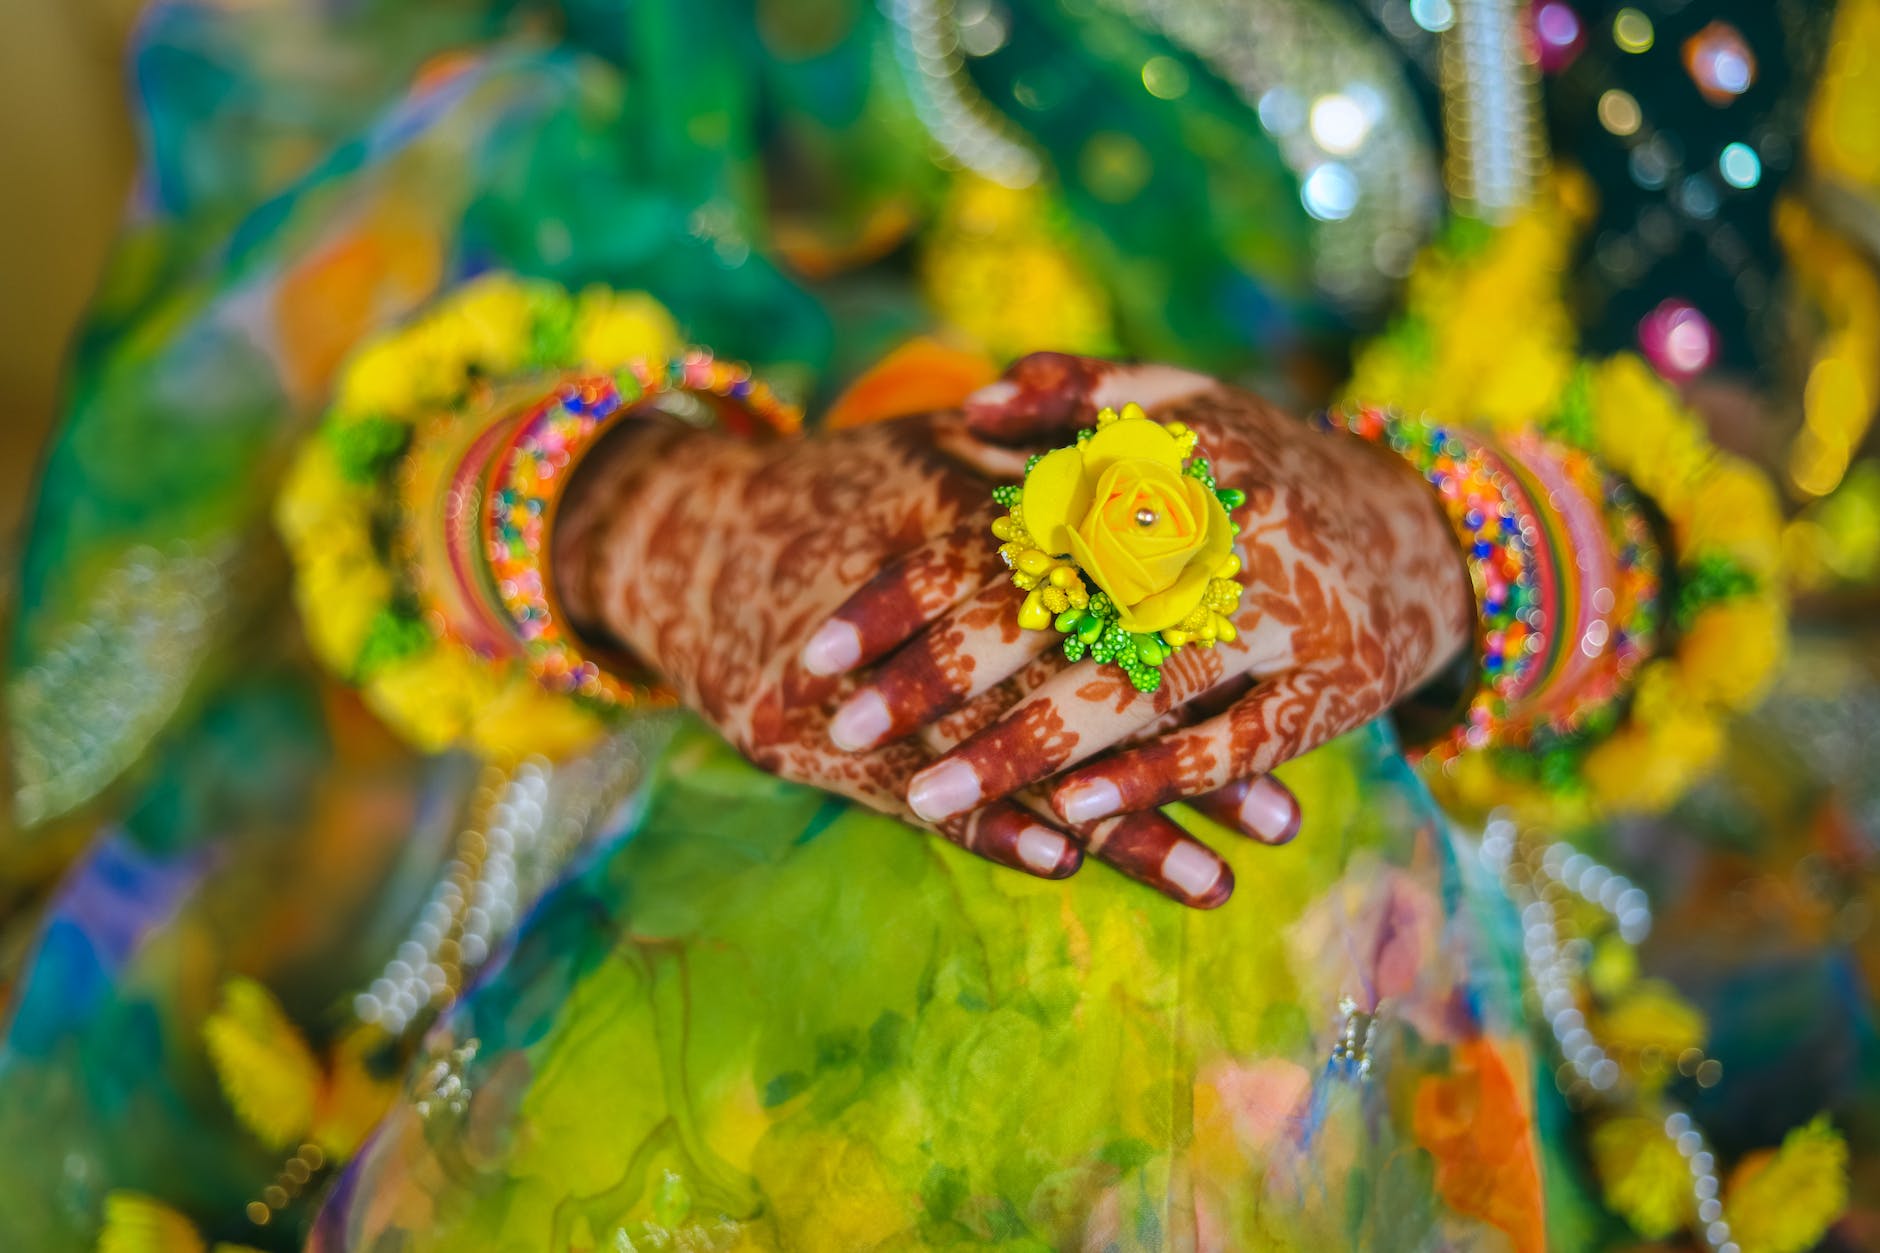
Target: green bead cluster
1231	498
1096	631
1006	495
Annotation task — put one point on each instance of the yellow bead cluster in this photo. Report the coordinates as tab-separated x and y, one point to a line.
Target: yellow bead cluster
1053	585
1212	622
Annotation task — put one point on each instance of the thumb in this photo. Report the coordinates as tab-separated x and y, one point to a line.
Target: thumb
1043	398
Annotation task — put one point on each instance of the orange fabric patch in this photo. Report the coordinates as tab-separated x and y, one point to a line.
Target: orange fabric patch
921	375
347	287
1478	1124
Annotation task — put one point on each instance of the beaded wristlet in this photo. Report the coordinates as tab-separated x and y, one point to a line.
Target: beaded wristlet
1514	575
1567	580
530	474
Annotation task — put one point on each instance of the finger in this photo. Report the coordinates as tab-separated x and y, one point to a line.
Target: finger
1049	395
1262	809
968	651
1151	849
1034	843
1042	396
989	706
1078	712
1274	723
1012	837
903	598
1146	847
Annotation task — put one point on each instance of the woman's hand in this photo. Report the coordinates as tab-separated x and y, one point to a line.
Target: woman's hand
715	560
1355	596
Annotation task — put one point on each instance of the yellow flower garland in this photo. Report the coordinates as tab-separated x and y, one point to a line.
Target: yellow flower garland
434	692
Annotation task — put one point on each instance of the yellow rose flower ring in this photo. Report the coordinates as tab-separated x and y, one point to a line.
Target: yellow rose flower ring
1122	543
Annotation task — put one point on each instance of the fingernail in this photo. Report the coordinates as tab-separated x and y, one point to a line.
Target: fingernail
994	393
939	792
1089	799
1270	811
860	723
833	649
1192	869
1046	852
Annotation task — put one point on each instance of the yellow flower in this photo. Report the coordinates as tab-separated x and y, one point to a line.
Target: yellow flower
1785	1201
430	699
1653	1016
1731	649
1641	768
1645	434
522	717
488	321
341	591
1734	510
1119	504
998	270
1643	1176
615	328
377	380
342	583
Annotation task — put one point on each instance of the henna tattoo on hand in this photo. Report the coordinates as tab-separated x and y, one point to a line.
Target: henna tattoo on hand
763	579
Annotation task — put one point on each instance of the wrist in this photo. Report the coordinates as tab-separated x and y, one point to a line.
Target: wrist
595	651
607	493
1445	584
1516	575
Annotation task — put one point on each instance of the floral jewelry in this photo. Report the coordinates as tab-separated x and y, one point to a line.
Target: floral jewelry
1699	593
1123	544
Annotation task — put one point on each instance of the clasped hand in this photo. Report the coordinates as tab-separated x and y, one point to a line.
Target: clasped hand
836	607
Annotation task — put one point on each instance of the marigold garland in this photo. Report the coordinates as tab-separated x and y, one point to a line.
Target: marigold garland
361	613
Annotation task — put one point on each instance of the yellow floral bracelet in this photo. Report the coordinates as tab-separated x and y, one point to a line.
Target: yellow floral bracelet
362	605
1122	542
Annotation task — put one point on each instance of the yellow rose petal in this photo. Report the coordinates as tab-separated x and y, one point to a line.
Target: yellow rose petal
1129	439
1128	487
1128	559
1056	496
1170	607
1112	567
1166	609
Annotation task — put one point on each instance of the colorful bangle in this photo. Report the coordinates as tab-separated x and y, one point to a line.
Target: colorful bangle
533	469
1610	606
1514	576
381	510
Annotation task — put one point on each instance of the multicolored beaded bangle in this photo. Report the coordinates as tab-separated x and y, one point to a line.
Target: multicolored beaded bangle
1612	625
531	473
1515	577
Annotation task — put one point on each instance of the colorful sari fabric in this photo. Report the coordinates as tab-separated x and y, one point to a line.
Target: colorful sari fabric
758	1018
752	1016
